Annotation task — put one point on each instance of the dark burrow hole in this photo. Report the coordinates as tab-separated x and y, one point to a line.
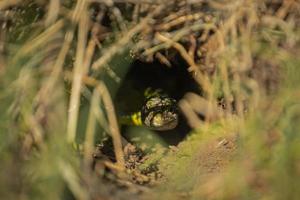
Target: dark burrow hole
175	81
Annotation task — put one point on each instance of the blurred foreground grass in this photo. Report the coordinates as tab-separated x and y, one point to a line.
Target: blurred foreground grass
56	55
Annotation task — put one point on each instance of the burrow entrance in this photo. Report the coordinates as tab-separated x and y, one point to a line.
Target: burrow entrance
174	81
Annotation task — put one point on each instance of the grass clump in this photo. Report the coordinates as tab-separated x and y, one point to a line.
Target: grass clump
61	64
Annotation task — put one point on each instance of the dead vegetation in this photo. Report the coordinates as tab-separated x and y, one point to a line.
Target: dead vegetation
56	55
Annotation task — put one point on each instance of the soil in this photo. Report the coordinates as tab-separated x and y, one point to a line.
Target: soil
210	160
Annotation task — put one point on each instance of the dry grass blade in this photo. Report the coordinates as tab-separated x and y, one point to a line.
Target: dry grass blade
39	41
53	12
124	41
179	20
232	66
69	36
7	3
199	76
104	94
152	2
72	180
79	71
193	105
178	35
90	131
113	124
203	106
192	117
